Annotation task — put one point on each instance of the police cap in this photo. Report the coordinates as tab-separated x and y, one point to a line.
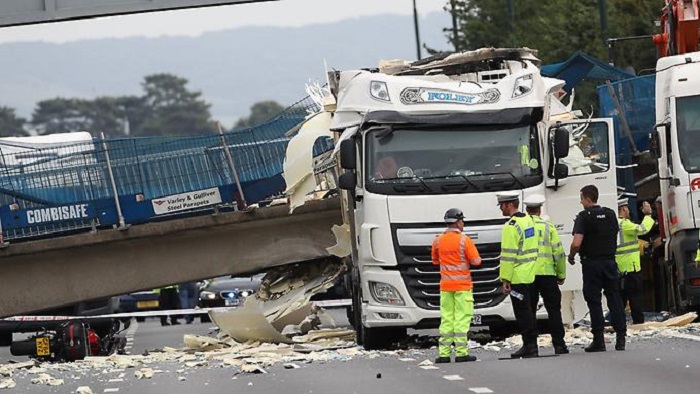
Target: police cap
507	197
453	215
534	200
622	202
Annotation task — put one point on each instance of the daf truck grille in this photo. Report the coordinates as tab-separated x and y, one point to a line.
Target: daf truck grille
422	278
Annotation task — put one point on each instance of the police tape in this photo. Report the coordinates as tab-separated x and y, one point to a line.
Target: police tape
158	313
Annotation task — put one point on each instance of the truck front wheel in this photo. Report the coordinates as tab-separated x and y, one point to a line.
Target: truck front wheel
5	339
381	338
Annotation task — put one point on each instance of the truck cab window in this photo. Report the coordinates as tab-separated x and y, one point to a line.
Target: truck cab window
688	124
433	153
589	149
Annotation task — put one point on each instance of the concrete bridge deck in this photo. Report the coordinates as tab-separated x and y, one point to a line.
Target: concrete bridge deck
55	272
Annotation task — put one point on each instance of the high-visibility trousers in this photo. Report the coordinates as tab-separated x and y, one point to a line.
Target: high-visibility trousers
456	311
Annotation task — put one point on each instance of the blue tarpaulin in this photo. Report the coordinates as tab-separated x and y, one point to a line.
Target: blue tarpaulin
583	66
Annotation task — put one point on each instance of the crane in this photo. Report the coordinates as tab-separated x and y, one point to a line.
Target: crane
680	20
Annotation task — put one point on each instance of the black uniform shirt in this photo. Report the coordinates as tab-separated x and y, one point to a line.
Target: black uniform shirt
599	227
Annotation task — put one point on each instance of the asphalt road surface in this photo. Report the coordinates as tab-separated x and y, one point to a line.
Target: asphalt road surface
650	365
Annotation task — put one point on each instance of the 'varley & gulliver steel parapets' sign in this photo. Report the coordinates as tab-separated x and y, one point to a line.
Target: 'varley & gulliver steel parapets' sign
184	201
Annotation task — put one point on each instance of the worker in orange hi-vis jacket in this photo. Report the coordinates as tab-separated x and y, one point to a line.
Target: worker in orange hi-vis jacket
455	252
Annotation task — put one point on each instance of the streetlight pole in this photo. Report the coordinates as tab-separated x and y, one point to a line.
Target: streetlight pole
415	24
454	25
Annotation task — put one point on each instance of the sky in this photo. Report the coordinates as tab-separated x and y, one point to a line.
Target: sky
193	22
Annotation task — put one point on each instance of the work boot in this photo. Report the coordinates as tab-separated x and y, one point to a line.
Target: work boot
442	360
463	359
620	342
174	322
560	347
598	344
527	351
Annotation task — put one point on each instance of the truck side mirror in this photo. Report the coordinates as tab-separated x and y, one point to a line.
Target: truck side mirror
348	155
561	143
561	171
347	181
655	139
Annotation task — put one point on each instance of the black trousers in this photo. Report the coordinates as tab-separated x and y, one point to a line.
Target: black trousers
169	299
546	286
631	290
524	314
602	275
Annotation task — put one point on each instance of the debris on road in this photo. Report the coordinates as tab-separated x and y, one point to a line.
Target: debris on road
83	390
281	309
678	321
7	383
46	379
144	373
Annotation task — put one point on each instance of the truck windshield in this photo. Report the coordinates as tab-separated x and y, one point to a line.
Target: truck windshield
688	125
424	160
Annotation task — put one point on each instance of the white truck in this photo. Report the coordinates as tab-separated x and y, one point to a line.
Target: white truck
416	139
676	144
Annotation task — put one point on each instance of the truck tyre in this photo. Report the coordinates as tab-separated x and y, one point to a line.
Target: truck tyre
381	338
502	330
5	339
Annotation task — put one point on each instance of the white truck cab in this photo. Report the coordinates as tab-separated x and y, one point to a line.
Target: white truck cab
416	139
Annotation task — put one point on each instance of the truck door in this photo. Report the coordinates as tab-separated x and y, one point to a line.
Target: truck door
591	161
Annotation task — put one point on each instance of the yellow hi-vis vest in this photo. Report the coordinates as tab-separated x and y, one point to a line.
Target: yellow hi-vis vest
519	250
627	255
551	259
157	291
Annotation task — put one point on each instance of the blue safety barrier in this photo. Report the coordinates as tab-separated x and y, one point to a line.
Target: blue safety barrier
57	188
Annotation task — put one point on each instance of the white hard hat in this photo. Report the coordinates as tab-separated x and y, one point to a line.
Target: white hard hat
534	200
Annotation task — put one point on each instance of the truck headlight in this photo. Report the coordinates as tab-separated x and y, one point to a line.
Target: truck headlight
523	86
379	91
207	295
385	293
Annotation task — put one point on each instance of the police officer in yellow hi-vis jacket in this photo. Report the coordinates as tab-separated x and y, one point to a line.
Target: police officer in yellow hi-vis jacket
628	259
551	271
518	268
455	252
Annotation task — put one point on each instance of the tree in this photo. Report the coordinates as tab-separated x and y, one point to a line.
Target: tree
260	112
59	115
171	109
11	125
558	28
166	108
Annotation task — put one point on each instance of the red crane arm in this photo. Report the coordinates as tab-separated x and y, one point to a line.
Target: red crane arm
680	21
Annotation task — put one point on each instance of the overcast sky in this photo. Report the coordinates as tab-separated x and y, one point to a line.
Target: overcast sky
193	22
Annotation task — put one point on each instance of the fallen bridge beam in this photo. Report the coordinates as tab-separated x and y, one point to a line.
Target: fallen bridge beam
51	273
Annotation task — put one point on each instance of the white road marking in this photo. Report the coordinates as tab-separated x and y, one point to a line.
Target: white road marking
115	380
113	390
121	375
429	367
453	377
480	390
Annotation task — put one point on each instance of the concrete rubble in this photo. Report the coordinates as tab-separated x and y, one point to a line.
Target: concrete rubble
282	311
257	357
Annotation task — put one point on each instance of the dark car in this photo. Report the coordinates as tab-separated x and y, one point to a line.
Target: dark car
139	301
227	291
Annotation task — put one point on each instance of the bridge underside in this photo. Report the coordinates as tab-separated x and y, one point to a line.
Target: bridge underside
56	272
25	12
